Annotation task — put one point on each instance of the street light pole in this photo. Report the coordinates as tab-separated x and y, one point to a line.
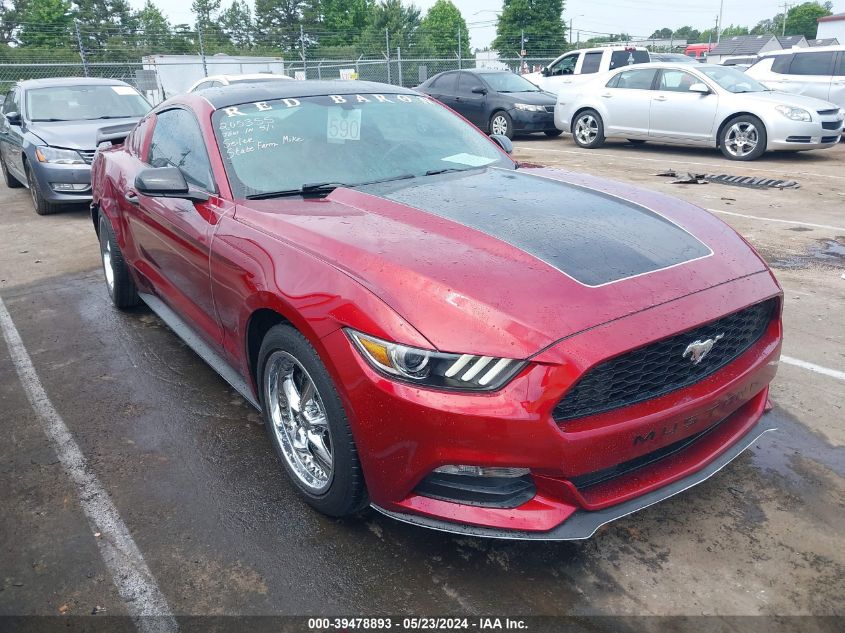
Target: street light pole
719	30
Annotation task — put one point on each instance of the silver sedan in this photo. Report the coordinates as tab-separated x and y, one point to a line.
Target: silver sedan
705	105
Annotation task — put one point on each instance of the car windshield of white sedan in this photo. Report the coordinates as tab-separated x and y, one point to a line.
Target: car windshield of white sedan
732	80
84	103
509	82
282	146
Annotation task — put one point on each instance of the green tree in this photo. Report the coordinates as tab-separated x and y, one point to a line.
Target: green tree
340	22
46	24
541	22
688	33
277	23
400	21
734	29
661	34
154	31
803	19
440	28
236	22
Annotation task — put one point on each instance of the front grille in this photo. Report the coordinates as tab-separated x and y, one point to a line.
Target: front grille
660	368
798	139
550	109
87	154
831	125
826	112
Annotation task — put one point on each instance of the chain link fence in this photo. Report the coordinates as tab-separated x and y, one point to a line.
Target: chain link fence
160	77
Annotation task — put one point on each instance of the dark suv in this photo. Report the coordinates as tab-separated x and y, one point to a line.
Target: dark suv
49	132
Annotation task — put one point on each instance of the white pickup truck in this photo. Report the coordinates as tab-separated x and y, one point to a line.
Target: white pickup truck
580	64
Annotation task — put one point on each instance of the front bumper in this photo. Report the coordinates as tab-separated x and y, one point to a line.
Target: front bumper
527	122
804	135
403	433
49	174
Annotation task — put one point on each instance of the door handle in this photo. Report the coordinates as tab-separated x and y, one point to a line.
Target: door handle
607	95
132	198
660	98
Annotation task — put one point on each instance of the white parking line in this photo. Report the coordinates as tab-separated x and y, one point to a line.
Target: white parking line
776	170
757	217
833	373
134	581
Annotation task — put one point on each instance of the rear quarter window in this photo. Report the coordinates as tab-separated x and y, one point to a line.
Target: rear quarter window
627	58
781	64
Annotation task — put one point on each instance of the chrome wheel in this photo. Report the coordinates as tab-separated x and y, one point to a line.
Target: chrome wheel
299	421
108	266
499	125
586	129
741	139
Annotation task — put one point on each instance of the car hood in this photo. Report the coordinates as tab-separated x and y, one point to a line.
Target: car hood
505	263
796	101
530	97
74	134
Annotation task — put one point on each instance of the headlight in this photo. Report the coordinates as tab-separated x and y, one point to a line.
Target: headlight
46	154
527	107
465	372
796	114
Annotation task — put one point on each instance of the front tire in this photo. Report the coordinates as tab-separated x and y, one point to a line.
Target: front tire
9	179
743	138
119	282
42	207
501	123
307	424
588	129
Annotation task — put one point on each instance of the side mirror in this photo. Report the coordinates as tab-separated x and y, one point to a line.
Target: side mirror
479	90
700	88
503	141
166	182
546	72
14	118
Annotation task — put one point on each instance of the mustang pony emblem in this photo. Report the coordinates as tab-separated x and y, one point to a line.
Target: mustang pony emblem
697	350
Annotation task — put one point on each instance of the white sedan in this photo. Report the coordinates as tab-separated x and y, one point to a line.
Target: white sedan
214	81
705	105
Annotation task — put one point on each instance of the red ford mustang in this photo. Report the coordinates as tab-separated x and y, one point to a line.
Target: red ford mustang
426	326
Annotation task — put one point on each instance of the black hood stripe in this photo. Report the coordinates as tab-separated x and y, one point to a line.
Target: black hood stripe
590	236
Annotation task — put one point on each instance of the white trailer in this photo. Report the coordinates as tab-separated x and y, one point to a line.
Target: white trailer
176	73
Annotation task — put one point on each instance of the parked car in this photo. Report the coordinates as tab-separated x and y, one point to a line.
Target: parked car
676	58
705	104
814	72
462	343
215	81
742	62
580	65
499	102
49	133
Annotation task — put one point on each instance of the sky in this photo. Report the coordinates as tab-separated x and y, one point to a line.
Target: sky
589	17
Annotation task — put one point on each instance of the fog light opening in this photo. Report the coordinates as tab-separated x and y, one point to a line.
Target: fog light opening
482	471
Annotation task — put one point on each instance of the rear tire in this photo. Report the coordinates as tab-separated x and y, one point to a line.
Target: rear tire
42	207
119	283
588	129
9	179
312	439
743	138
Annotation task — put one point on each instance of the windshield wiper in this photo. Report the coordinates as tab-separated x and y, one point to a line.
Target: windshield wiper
49	120
445	170
110	116
319	188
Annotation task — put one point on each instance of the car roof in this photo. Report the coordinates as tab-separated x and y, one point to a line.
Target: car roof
812	49
245	77
70	81
236	94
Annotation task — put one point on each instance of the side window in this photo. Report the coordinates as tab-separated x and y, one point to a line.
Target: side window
592	63
467	83
16	101
676	80
565	66
177	141
628	58
781	63
839	71
614	81
640	79
9	103
205	84
445	84
812	64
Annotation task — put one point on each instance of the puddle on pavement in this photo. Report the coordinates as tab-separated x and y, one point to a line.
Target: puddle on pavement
824	252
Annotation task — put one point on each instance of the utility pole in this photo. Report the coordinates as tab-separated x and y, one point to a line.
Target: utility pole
786	8
82	54
522	68
387	48
399	63
302	50
459	48
202	48
719	27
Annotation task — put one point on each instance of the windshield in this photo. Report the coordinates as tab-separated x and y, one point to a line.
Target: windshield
283	145
732	79
82	103
509	82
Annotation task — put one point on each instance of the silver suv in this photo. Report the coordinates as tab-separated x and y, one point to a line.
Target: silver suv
814	72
